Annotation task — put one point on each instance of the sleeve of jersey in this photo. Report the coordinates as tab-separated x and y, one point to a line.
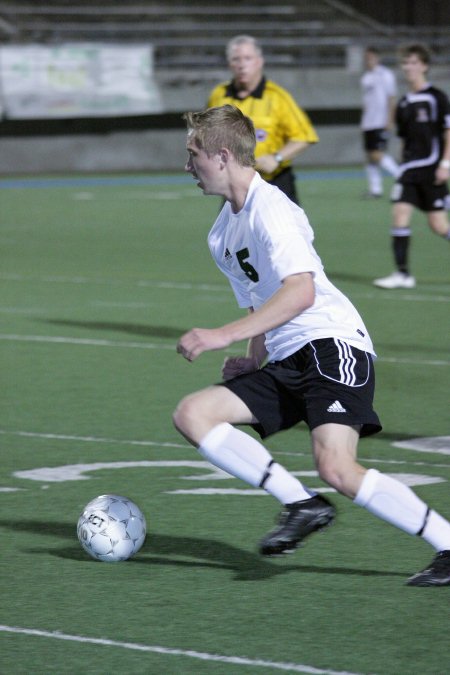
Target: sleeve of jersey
297	123
391	84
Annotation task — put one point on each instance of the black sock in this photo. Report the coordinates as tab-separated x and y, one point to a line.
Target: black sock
400	246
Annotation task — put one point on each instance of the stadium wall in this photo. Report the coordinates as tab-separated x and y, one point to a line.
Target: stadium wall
157	142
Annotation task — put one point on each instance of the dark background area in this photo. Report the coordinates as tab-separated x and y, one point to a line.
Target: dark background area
405	12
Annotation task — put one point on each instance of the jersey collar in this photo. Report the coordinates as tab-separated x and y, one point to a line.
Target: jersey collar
256	93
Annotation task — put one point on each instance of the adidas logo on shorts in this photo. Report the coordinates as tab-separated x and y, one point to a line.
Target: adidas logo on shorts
336	407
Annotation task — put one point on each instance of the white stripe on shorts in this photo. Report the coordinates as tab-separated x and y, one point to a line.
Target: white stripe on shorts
347	363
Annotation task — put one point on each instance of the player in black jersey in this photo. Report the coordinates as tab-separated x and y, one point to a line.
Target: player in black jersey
423	124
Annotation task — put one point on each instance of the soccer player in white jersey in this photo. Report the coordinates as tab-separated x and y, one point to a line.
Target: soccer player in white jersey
379	91
309	355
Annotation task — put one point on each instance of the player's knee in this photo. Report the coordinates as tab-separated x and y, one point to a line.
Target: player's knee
185	416
440	225
337	470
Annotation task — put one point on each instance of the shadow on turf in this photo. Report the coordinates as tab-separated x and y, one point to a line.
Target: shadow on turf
132	328
247	566
160	549
337	276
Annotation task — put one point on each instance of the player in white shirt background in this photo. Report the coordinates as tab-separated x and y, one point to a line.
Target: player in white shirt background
379	91
309	355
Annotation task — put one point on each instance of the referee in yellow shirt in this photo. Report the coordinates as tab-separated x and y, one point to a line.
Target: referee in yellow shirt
283	130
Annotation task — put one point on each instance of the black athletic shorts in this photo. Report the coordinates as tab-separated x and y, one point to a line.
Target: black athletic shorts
424	196
285	180
325	381
375	139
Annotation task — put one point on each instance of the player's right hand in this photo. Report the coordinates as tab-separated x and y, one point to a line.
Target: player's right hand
238	365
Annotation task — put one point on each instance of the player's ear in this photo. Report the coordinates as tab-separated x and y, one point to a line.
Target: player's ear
224	155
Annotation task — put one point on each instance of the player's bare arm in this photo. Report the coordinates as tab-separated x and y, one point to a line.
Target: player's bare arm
269	163
295	296
443	170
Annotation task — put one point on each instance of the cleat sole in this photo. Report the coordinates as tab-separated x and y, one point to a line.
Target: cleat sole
319	526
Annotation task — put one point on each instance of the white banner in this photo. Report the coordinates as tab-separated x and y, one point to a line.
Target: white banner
77	80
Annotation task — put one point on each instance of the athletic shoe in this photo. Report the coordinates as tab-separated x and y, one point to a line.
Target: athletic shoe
436	574
396	280
297	521
372	195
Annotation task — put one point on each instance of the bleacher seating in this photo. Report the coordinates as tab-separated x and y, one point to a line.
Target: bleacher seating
193	33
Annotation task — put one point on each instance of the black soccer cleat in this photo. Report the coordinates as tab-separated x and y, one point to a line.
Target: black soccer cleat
436	574
297	521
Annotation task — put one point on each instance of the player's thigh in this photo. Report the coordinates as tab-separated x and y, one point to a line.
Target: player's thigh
375	156
438	222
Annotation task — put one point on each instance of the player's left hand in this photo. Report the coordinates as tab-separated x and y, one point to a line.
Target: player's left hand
442	175
199	340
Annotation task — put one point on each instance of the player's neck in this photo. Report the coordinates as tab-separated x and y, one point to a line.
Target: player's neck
244	89
418	83
238	188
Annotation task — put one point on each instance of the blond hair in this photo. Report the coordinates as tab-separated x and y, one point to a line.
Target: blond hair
223	127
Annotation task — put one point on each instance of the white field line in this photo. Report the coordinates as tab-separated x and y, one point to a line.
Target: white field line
93	439
163	444
141	283
85	342
167	651
371	460
90	342
414	297
186	286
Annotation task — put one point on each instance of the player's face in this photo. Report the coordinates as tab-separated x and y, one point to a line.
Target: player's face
204	168
414	69
246	64
371	60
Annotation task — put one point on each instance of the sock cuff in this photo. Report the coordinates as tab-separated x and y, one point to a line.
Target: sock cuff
401	231
366	488
215	436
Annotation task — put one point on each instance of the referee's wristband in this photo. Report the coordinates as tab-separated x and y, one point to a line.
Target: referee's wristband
278	157
445	163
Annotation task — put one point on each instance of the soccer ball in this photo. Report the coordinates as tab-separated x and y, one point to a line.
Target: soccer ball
111	528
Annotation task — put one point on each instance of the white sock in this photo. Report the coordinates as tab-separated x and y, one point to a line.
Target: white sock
374	179
389	164
436	531
244	457
397	504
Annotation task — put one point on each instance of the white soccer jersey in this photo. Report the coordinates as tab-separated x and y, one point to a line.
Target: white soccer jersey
378	85
268	240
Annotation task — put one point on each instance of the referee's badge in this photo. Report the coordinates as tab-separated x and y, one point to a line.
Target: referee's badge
261	135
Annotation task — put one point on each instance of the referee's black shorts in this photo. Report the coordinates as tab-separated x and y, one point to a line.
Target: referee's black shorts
285	181
327	381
